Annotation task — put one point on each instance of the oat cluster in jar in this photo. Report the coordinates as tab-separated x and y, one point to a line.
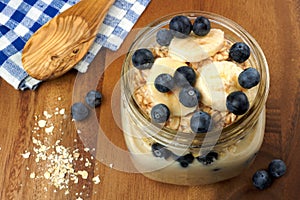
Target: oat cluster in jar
194	80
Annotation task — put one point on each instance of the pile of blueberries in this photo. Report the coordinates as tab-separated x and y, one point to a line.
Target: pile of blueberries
185	77
161	151
80	111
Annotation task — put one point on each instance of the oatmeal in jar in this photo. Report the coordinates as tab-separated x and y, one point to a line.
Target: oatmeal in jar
193	94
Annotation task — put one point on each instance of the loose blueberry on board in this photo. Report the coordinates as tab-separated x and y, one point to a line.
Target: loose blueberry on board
237	103
208	158
200	122
189	96
164	37
185	76
164	83
180	26
249	78
185	160
201	26
160	113
79	111
277	168
261	179
239	52
142	59
160	151
93	98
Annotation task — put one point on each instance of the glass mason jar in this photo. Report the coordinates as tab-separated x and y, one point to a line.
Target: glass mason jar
185	158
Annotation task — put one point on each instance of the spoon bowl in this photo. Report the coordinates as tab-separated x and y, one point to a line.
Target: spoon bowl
62	42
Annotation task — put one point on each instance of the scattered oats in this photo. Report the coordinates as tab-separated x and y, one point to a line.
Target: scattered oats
84	174
49	129
47	115
56	109
75	140
111	165
27	168
58	98
67	192
32	175
86	149
0	148
47	175
62	111
78	131
83	187
54	191
45	189
76	155
79	198
26	155
42	123
96	179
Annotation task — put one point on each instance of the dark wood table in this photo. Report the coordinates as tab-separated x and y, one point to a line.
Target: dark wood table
276	26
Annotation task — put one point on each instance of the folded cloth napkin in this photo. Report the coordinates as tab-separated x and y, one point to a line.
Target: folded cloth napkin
19	19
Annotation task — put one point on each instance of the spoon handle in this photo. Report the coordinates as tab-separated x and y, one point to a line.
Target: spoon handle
62	42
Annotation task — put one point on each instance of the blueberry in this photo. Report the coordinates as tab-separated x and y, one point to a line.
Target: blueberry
160	113
180	26
237	103
201	26
93	98
143	59
164	37
164	83
208	158
239	52
160	151
249	78
185	160
277	168
79	111
189	96
185	76
261	179
200	122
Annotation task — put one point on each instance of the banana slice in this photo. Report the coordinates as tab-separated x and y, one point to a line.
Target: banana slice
170	99
195	48
163	65
216	81
212	42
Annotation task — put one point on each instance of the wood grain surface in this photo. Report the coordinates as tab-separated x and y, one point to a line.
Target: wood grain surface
276	26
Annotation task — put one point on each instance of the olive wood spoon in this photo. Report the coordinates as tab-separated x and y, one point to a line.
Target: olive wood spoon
62	42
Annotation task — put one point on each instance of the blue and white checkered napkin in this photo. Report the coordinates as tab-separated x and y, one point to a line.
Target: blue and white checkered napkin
19	19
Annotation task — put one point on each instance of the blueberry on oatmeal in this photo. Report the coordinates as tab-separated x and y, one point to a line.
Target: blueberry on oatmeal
164	37
239	52
237	103
142	59
185	76
249	78
201	26
200	122
164	83
180	26
189	96
160	113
